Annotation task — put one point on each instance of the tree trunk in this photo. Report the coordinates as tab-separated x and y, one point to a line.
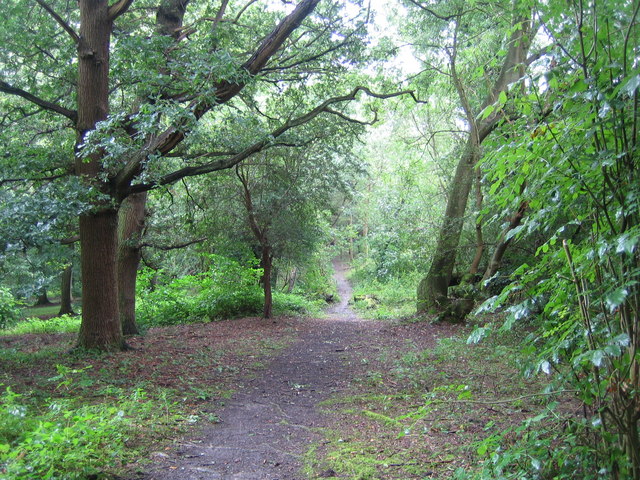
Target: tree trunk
266	263
42	299
479	239
131	223
66	298
100	327
433	289
291	280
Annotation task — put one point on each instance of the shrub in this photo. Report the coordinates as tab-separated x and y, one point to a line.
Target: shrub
9	308
228	289
64	441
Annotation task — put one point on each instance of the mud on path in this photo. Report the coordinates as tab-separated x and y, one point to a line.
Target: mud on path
268	425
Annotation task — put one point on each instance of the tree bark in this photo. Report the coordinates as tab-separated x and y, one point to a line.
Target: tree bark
131	223
503	243
100	327
266	264
66	297
432	292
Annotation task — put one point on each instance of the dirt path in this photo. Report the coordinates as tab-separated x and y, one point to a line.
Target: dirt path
269	424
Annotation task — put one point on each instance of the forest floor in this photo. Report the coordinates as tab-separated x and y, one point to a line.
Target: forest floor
268	427
294	399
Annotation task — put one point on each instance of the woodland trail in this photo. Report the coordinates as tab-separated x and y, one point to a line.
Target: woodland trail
268	425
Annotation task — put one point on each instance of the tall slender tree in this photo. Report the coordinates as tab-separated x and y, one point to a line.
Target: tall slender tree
481	117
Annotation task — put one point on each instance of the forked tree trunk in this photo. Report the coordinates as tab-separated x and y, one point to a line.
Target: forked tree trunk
66	297
100	328
130	227
432	294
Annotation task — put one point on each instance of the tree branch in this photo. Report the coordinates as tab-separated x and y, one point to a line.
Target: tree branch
11	90
118	8
223	164
172	247
70	240
224	92
219	15
446	18
353	120
38	179
67	28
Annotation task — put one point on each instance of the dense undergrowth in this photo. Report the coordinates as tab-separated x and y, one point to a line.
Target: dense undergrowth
227	290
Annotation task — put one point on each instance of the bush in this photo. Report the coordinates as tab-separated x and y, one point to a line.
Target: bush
228	290
9	308
64	442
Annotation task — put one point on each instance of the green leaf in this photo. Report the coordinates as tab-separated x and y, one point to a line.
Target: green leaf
488	110
545	366
615	298
596	357
613	350
478	334
626	243
631	85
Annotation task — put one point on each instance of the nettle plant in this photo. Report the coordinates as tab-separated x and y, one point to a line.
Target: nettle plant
573	156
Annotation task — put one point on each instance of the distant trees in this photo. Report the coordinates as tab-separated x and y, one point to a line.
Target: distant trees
284	194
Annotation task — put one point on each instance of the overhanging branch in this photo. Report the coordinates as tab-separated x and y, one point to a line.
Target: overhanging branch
67	28
225	163
53	107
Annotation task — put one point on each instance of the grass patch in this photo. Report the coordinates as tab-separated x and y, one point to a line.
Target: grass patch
391	299
428	412
63	324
